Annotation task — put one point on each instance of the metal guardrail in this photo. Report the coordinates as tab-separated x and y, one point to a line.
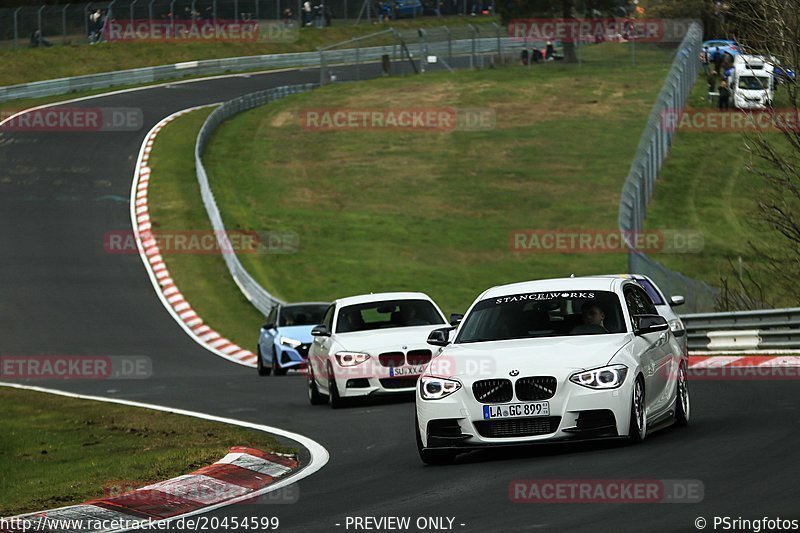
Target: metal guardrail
639	185
209	67
768	329
255	293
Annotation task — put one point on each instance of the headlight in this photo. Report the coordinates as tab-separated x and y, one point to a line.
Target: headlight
432	388
351	358
676	325
292	343
607	377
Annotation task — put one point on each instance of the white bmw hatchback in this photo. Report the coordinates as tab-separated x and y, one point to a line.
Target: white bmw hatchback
374	344
561	359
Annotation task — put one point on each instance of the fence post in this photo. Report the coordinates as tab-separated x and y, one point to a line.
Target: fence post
16	27
86	20
499	42
321	68
472	58
64	22
110	13
39	21
423	50
449	45
236	10
150	12
358	62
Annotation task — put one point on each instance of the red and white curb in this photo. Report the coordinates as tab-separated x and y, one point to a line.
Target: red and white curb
241	473
165	287
241	476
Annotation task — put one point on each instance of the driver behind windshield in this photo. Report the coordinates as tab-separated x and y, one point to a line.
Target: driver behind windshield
593	317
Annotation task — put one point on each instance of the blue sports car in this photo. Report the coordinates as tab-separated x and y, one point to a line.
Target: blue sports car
286	335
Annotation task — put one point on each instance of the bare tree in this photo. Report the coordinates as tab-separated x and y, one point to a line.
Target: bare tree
772	28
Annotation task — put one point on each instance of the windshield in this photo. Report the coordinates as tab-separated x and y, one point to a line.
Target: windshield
753	83
302	315
543	314
387	314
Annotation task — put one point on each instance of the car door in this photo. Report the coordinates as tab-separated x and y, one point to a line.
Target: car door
320	348
651	349
268	332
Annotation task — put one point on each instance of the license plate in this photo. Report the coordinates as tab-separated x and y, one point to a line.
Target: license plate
402	371
515	410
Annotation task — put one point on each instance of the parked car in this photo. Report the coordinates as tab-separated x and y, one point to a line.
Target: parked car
751	82
286	335
373	344
552	360
722	46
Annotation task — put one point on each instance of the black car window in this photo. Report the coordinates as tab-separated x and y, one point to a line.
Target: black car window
302	314
639	302
327	320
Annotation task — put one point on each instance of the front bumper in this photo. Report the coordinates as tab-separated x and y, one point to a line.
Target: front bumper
576	413
296	358
374	380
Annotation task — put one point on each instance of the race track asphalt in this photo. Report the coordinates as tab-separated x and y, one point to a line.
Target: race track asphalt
61	293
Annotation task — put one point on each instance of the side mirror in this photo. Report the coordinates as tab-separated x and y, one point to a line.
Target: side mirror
268	326
320	331
676	300
649	324
455	318
440	337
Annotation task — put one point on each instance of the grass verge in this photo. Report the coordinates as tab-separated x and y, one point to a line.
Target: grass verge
23	65
705	185
58	451
423	210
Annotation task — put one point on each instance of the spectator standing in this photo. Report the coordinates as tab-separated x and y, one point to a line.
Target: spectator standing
724	94
549	51
287	17
705	58
307	13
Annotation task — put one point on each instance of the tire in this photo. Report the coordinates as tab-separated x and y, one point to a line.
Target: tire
314	396
262	370
277	370
337	401
638	425
432	457
683	406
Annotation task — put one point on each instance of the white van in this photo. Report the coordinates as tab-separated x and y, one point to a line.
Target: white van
751	82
